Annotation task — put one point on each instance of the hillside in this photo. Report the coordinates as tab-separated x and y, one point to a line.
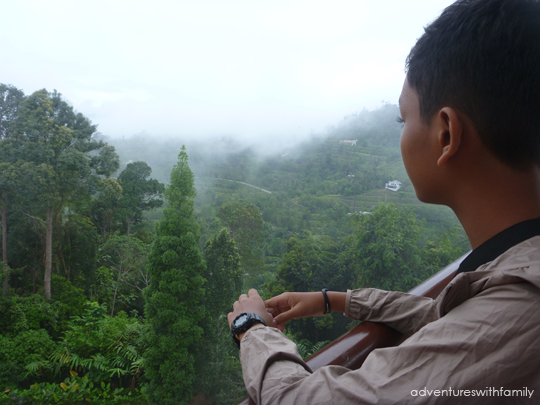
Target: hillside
314	185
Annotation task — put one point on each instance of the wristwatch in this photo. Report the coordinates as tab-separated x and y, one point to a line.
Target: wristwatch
243	322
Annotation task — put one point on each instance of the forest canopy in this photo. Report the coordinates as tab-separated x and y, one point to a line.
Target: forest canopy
121	257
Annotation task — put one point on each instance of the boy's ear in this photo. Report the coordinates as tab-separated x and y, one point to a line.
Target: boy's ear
450	132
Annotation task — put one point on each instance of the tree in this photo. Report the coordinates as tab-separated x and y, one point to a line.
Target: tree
174	299
61	160
7	186
139	193
125	261
10	98
105	205
387	250
245	222
294	272
76	249
443	251
216	358
223	275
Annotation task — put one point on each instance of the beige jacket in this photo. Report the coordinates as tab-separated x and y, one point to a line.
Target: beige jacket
481	333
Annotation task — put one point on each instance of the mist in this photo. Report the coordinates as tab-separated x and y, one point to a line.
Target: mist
209	69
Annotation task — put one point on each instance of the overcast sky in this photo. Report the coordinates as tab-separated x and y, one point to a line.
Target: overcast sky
212	67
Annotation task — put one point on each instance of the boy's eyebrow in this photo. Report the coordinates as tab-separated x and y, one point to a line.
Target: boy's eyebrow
399	101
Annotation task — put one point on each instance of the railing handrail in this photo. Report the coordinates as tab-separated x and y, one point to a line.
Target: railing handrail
351	349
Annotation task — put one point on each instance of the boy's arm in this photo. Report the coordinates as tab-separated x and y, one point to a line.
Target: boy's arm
404	312
469	348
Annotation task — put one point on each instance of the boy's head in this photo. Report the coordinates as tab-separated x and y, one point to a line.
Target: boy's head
482	57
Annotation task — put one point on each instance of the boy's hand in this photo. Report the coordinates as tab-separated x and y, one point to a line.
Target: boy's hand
252	302
290	305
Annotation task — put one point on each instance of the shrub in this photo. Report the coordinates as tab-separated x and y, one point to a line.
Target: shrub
18	314
69	299
73	390
104	348
17	351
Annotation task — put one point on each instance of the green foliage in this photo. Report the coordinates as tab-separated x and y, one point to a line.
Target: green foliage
223	275
76	249
123	274
303	236
443	251
138	193
306	348
174	299
101	347
54	141
96	332
218	372
10	99
73	390
310	182
216	355
294	272
69	299
144	235
105	205
20	314
57	161
20	349
34	312
245	222
387	252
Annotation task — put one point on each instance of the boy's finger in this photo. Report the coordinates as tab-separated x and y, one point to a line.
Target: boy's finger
277	301
253	293
285	317
270	303
281	319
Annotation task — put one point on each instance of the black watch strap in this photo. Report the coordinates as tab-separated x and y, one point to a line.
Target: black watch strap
243	322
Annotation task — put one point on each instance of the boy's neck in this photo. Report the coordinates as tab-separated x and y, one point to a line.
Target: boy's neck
498	200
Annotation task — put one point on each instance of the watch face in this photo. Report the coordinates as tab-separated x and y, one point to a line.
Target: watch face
240	321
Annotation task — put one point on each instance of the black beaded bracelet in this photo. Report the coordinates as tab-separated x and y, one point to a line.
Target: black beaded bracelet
327	308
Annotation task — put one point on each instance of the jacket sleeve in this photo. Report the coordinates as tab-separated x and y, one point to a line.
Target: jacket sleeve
403	312
469	348
275	374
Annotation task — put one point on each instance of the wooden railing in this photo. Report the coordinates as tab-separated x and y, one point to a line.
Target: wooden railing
351	349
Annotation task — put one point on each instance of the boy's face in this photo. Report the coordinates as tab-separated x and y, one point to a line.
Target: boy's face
418	147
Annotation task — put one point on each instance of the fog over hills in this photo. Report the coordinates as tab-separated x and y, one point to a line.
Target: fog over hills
377	127
205	69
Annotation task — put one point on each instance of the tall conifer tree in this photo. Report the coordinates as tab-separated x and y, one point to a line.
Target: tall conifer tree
174	299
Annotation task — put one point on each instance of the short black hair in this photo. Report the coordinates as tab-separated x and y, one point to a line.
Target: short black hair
482	57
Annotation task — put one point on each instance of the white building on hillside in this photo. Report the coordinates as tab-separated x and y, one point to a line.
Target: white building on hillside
393	185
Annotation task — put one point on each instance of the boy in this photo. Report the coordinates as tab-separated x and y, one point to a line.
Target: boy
471	141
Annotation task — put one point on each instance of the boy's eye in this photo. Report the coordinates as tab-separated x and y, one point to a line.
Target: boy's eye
400	120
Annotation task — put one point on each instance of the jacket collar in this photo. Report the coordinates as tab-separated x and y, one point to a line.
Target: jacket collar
500	243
